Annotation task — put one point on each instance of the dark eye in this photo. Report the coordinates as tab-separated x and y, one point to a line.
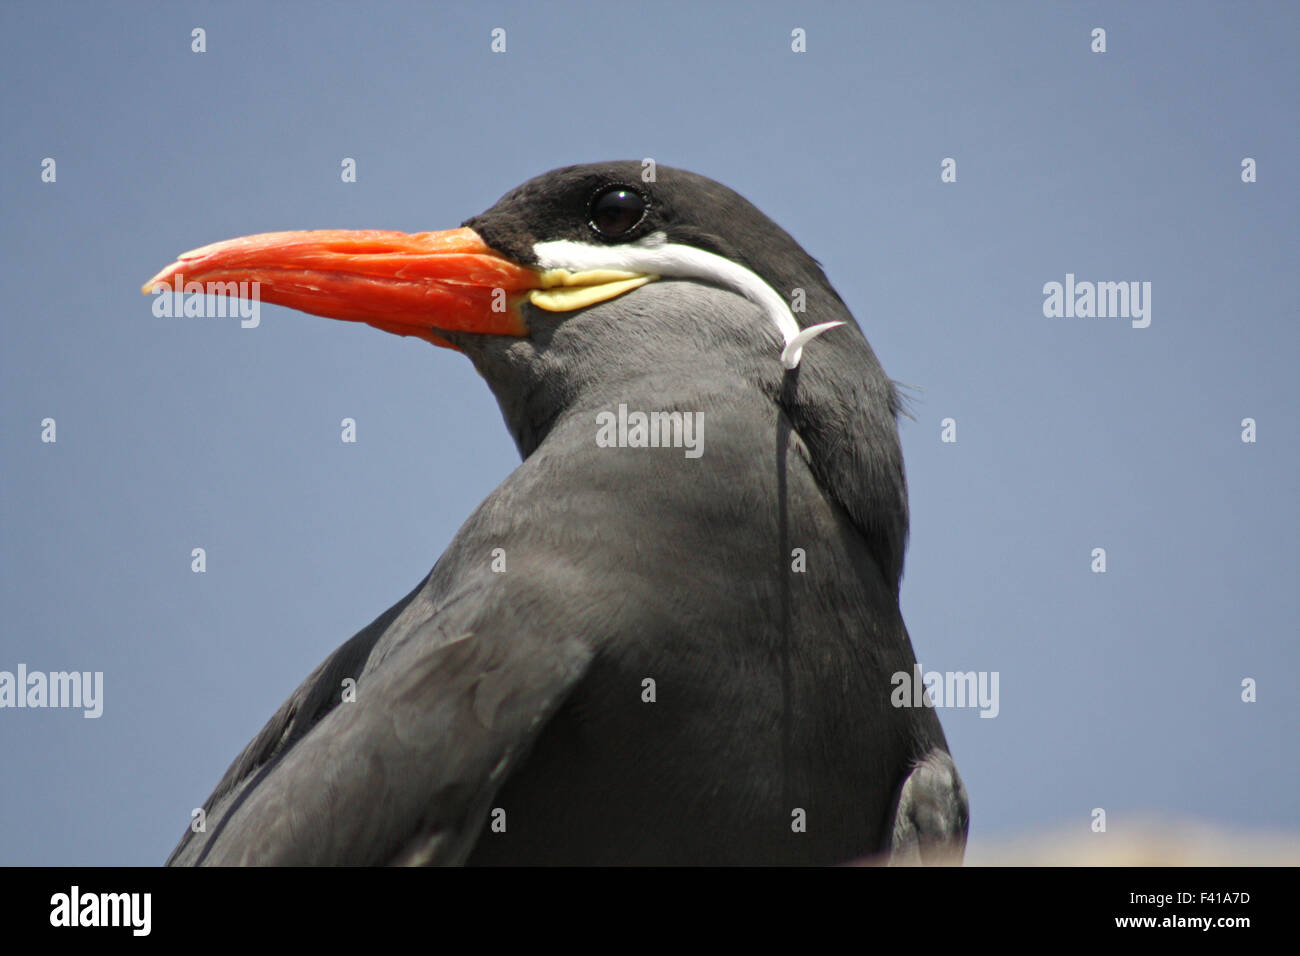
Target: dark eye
616	210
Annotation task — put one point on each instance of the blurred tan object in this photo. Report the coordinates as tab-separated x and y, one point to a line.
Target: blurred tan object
1141	842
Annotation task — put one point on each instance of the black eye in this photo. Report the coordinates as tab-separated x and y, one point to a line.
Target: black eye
616	210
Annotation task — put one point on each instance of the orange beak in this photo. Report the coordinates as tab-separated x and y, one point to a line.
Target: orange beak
405	283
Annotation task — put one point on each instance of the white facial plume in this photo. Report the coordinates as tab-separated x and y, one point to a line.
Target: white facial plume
655	257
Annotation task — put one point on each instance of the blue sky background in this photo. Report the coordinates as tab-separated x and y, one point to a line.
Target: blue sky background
1119	690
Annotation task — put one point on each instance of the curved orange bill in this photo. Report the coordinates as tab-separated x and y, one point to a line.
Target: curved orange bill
405	283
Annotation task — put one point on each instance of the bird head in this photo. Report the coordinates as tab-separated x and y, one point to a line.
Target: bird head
597	271
563	241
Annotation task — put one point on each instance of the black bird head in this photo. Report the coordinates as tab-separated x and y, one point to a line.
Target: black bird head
581	221
587	279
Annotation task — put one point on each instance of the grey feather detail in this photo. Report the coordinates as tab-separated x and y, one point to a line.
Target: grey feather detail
932	816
